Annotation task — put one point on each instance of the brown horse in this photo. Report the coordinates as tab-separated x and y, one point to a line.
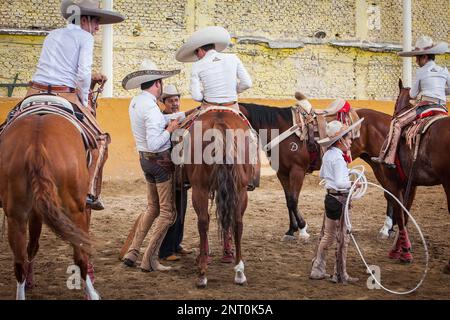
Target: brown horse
430	168
294	160
44	178
225	180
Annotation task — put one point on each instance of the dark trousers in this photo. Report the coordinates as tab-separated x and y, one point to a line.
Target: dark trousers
172	242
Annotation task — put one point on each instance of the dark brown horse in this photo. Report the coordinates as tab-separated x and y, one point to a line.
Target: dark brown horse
222	178
429	169
44	178
294	158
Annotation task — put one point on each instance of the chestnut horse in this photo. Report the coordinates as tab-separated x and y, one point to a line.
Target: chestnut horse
430	168
224	180
44	178
294	162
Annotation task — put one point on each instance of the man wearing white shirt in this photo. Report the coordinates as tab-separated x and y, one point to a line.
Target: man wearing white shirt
335	172
430	87
65	69
216	78
152	130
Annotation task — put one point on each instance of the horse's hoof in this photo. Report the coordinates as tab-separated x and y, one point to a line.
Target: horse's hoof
227	258
288	238
394	254
240	279
202	282
29	285
406	257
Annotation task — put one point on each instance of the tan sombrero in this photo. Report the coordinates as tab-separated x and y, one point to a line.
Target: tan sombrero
147	72
71	9
426	45
169	91
336	130
209	35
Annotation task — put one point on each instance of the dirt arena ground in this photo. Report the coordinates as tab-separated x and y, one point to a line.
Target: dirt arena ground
275	269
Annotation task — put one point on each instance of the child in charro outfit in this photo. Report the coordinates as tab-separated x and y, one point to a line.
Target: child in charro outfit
335	172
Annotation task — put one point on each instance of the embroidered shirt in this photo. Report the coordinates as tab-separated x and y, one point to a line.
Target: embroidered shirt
222	76
334	170
431	81
66	60
148	123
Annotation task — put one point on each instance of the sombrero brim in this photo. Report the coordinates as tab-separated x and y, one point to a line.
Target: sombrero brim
326	142
166	95
105	16
135	79
209	35
440	48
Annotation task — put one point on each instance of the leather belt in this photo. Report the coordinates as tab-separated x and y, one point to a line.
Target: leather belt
51	88
337	193
147	155
223	104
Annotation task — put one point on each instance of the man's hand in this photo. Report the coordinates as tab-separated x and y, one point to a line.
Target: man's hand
173	125
98	77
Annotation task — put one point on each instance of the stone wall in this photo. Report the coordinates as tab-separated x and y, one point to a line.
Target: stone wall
286	45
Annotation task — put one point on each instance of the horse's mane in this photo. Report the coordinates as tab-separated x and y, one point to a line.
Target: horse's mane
260	115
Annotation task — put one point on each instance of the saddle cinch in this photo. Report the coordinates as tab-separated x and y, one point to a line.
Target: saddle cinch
309	125
42	104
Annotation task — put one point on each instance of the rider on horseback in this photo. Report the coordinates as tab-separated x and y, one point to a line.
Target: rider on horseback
65	69
430	88
221	75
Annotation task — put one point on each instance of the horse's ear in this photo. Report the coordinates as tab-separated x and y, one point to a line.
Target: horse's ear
400	84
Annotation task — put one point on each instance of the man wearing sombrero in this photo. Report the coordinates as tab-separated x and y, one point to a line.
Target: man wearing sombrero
152	130
335	172
430	88
65	69
216	78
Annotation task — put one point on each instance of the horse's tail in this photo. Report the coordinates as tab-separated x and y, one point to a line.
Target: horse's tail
46	201
224	183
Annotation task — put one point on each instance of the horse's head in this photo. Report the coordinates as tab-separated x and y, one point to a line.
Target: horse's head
403	98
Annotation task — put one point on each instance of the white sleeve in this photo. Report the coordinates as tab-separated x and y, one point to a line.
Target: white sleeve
340	172
85	61
245	81
415	89
196	92
447	88
155	138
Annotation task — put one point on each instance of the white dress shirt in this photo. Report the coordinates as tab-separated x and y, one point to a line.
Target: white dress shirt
334	170
66	60
431	81
148	123
218	74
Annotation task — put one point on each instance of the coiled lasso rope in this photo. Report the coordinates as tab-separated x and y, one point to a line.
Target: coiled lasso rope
357	175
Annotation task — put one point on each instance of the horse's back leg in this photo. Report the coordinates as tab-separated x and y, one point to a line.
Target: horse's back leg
17	228
238	229
81	258
293	226
296	178
34	229
200	204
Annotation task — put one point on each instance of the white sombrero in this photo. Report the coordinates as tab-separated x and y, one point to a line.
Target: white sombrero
147	72
169	91
71	9
426	45
209	35
336	130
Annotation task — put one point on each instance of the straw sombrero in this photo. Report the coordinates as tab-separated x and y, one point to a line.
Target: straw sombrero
426	45
147	72
169	91
70	9
209	35
336	130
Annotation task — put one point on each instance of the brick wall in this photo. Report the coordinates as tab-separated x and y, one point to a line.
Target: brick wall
156	29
